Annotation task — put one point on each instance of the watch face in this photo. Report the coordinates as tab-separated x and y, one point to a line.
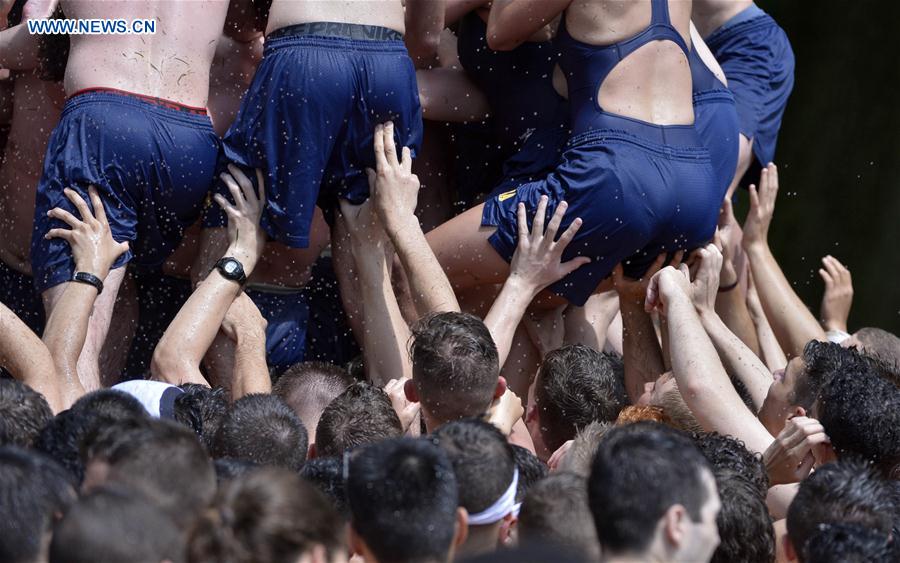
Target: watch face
231	267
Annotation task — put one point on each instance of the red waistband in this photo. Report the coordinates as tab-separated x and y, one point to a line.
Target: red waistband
150	99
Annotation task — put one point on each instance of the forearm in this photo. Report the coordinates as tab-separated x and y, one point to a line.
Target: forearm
431	290
179	352
65	334
512	22
703	383
641	353
793	324
424	22
506	314
739	360
732	309
251	372
386	333
24	355
18	48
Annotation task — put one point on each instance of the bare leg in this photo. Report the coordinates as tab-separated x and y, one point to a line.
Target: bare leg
461	246
123	325
98	326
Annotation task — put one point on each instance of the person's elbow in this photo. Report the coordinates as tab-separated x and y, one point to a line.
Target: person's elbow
500	39
166	366
423	49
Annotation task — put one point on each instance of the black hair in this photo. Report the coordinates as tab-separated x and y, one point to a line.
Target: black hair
308	387
745	527
115	524
482	459
201	409
577	385
727	453
639	472
33	488
23	413
822	361
403	499
227	469
110	404
269	515
531	470
841	492
263	429
850	543
531	552
455	365
327	475
861	414
53	52
160	459
362	414
65	435
556	511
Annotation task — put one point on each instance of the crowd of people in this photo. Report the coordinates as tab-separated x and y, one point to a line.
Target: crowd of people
420	281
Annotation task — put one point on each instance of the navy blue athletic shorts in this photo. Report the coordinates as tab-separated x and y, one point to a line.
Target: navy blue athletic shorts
716	120
758	62
641	190
310	114
152	162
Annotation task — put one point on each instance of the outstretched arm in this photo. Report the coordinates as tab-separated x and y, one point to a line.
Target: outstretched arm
18	47
177	356
536	264
245	326
424	23
838	297
396	190
737	357
94	252
731	304
24	355
512	22
702	380
386	334
641	353
792	322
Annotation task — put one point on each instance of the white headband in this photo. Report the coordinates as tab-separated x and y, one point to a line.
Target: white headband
497	511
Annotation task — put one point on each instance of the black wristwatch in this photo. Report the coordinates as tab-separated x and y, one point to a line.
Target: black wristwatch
90	279
231	269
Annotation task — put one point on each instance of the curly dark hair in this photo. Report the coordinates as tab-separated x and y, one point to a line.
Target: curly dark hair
727	453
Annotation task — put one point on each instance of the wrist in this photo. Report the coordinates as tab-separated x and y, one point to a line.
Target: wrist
521	286
245	256
397	222
92	268
755	248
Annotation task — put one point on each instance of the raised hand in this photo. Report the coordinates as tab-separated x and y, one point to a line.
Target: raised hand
838	296
394	187
705	286
790	457
635	291
667	284
93	247
246	239
762	207
363	225
506	411
537	261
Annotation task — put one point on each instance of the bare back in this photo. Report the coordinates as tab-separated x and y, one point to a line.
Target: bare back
653	83
173	63
384	13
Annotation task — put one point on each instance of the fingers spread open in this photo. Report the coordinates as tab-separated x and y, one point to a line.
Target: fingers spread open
537	227
64	216
97	204
390	149
79	204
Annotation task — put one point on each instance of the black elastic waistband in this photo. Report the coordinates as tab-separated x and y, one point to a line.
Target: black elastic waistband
342	30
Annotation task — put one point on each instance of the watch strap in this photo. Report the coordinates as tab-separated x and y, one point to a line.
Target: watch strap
89	279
